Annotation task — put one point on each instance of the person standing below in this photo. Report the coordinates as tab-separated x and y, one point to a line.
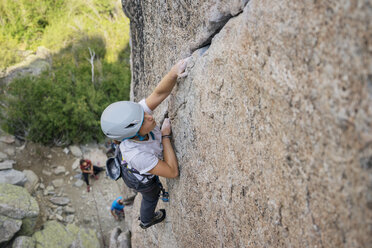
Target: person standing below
88	168
117	208
145	147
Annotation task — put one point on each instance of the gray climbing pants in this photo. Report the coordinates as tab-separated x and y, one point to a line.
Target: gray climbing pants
150	192
149	201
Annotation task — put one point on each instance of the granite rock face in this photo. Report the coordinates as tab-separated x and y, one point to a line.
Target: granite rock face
272	126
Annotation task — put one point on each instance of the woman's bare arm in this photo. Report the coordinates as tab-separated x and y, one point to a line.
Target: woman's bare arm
169	167
164	88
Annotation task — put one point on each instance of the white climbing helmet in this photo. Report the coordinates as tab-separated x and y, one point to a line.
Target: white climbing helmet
122	120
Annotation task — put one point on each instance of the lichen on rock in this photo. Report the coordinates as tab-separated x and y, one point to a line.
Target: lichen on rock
54	234
17	203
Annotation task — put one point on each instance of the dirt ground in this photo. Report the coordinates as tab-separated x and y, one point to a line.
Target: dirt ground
92	209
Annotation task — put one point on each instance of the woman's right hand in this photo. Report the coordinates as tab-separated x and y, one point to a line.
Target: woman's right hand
166	127
180	67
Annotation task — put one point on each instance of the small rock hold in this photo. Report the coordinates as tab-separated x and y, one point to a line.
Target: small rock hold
369	200
86	220
366	163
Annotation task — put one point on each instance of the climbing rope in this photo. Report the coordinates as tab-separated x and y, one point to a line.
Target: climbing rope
99	218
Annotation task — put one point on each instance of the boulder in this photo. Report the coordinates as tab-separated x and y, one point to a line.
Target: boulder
69	210
3	156
46	173
10	151
59	170
7	164
70	218
59	217
76	164
49	190
60	201
114	234
124	240
8	227
58	182
32	181
16	203
119	239
76	151
13	177
24	242
8	139
69	236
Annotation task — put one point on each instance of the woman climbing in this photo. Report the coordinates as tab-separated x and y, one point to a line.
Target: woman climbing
145	147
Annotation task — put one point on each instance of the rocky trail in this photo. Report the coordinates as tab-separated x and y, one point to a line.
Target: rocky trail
59	189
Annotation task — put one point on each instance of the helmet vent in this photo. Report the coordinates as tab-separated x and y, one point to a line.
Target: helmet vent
130	125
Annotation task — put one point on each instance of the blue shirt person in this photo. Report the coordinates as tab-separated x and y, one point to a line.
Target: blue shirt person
117	208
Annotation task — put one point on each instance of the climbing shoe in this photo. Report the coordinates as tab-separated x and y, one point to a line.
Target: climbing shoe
159	217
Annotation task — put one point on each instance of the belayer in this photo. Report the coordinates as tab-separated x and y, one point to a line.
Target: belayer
145	148
117	208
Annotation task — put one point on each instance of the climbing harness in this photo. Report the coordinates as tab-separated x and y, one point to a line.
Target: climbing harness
117	167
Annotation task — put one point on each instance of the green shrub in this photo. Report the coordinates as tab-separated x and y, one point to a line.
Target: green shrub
63	105
27	24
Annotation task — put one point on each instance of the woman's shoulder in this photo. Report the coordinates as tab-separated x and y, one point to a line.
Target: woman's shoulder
129	149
